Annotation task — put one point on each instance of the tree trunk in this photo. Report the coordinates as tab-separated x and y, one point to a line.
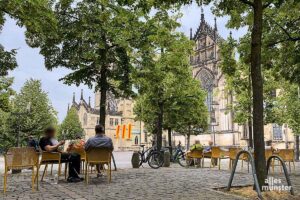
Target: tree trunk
103	84
103	91
257	88
297	147
170	140
159	125
250	124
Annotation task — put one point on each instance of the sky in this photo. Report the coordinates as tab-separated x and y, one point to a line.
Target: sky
31	63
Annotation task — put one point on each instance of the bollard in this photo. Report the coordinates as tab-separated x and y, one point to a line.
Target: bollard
166	159
135	160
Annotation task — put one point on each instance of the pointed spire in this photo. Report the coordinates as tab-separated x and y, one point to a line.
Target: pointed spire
216	28
202	15
73	97
191	33
89	101
68	107
81	96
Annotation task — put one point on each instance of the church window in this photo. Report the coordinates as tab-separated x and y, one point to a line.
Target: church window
245	132
85	119
98	120
277	132
111	121
206	80
136	140
116	121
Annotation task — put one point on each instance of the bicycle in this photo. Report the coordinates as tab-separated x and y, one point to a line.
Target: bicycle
179	157
154	157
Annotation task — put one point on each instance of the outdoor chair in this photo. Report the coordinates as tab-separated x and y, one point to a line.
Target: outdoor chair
287	155
268	154
98	156
195	155
207	155
82	154
245	157
232	155
50	158
217	153
21	158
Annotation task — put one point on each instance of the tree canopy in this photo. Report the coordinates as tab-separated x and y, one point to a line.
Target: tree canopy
71	128
99	41
38	19
40	116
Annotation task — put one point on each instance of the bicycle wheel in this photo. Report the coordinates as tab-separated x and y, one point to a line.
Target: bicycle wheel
182	161
156	160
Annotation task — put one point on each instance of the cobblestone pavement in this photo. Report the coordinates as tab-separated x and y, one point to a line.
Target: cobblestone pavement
143	183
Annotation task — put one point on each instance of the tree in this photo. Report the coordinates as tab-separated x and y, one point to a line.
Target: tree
5	93
169	97
7	61
238	80
289	103
97	40
35	121
71	127
5	107
186	114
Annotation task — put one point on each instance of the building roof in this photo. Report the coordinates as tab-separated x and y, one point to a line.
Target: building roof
89	109
205	29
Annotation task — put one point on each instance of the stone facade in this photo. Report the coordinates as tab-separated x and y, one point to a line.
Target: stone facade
222	129
119	113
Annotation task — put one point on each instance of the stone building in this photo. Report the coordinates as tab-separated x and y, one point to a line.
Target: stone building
222	129
119	118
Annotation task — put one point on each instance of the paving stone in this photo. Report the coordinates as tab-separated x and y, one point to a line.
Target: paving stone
140	184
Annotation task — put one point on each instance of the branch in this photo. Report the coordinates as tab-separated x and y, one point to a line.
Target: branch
284	40
290	38
267	5
247	2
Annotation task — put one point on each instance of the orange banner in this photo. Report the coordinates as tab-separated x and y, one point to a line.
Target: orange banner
117	131
129	131
123	131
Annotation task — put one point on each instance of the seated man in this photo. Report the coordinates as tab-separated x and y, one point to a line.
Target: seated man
100	140
50	144
196	153
196	146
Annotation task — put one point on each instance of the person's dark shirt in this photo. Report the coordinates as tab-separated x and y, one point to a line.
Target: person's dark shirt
44	141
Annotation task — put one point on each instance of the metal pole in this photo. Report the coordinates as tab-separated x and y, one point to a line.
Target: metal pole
253	172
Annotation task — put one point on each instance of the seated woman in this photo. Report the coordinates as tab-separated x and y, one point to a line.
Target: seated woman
76	145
